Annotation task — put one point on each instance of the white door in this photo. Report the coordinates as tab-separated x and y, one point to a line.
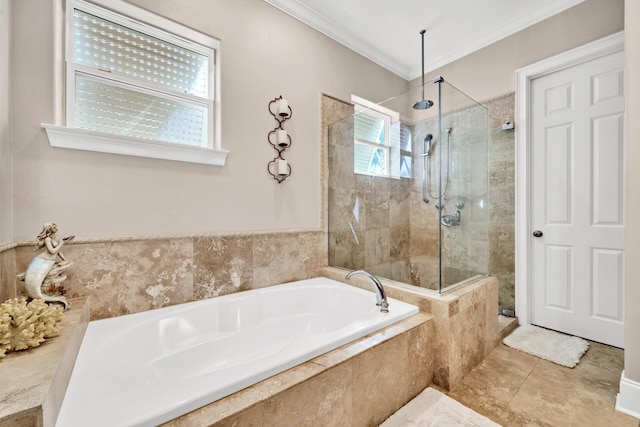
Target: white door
576	200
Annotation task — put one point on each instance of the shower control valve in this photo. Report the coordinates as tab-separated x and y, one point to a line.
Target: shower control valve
451	220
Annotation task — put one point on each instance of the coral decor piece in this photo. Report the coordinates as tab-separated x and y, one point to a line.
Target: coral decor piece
24	325
45	271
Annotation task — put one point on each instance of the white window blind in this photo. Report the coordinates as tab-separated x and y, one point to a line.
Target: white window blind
381	142
106	107
108	46
371	143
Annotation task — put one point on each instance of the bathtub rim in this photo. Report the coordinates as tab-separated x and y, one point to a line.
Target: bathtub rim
194	403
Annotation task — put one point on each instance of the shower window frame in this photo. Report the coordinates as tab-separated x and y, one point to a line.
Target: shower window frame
406	154
392	148
385	145
166	31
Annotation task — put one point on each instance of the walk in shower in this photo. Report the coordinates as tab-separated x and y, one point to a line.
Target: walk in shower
408	188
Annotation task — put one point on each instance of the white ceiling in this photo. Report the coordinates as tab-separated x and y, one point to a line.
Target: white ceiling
388	32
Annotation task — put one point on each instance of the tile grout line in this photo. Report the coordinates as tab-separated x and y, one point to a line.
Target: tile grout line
508	405
523	381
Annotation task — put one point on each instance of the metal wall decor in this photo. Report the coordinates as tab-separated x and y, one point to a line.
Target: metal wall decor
279	139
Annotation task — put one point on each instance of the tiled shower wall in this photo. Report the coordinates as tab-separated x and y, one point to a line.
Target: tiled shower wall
383	226
130	276
464	247
502	198
369	219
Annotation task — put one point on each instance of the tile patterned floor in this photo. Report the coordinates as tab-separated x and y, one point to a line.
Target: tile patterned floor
517	389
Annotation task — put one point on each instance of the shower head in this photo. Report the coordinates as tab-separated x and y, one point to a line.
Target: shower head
427	144
424	103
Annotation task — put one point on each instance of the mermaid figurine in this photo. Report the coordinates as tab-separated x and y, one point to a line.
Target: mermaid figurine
47	267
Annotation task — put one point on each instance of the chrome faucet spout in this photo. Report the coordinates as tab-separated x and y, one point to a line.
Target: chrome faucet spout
381	297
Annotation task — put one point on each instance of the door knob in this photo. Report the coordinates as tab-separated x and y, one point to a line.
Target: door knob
537	233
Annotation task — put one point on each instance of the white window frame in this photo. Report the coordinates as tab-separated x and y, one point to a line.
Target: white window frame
390	117
146	22
405	153
385	146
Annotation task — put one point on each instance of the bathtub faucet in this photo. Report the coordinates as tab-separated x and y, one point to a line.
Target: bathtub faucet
381	297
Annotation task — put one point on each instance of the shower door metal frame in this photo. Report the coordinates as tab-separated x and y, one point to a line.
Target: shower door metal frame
440	80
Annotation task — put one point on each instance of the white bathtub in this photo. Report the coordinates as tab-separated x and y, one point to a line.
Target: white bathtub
147	368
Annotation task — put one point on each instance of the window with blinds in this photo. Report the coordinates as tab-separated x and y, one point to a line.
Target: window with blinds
381	142
134	80
371	143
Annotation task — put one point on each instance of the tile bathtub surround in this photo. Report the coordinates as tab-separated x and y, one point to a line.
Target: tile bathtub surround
464	320
129	276
358	384
35	380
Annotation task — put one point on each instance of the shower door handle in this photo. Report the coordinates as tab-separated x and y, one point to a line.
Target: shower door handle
537	233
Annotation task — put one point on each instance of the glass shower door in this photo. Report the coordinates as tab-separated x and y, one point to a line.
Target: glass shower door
464	210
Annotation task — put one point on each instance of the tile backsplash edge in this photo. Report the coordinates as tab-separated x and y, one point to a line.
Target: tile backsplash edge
129	275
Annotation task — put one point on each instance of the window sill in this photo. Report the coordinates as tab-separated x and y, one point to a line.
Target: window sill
80	139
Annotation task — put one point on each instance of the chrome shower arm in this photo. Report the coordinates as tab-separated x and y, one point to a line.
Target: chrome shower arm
422	36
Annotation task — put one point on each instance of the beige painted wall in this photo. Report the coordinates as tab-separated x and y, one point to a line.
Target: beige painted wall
490	72
265	53
6	195
632	226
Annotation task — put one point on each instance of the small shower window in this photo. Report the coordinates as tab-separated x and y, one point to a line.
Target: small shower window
378	141
371	143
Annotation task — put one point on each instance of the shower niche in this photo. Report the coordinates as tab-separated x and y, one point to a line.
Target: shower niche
422	217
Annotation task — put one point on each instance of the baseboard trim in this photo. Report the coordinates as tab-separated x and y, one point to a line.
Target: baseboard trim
628	400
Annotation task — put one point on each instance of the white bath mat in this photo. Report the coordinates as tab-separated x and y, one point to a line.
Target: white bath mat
432	408
553	346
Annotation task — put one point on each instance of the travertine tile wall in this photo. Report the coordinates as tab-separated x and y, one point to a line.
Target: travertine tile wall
464	247
369	219
500	224
502	198
383	225
464	320
130	276
469	331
